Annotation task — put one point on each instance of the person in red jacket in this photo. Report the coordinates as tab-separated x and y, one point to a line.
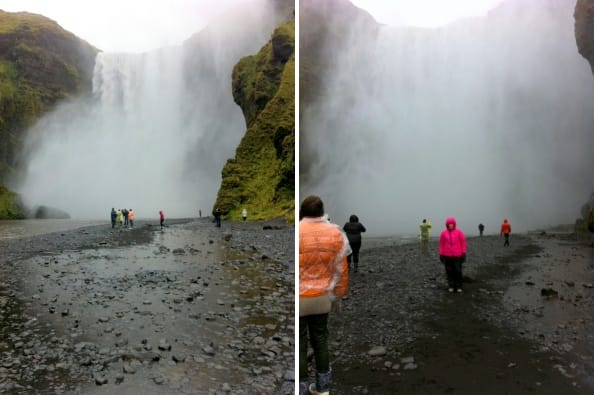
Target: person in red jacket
452	248
505	230
161	218
324	279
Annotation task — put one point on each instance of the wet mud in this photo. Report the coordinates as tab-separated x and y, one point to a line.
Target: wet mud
524	323
192	309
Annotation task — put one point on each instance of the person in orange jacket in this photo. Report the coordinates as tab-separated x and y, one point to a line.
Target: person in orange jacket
131	218
323	281
505	230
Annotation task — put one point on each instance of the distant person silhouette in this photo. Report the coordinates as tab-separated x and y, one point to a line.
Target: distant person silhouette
353	229
125	214
113	216
505	230
244	214
131	218
480	227
199	213
120	217
161	218
217	215
425	229
452	248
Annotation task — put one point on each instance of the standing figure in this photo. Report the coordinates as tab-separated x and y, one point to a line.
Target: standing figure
125	214
161	218
217	215
323	281
120	217
452	249
425	229
199	213
505	230
244	214
131	218
113	216
480	227
354	230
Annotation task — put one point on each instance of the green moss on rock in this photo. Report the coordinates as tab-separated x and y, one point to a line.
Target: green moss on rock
261	176
11	206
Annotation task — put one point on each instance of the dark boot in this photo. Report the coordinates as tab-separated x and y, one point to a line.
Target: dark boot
323	383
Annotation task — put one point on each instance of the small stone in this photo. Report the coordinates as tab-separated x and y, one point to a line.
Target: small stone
377	351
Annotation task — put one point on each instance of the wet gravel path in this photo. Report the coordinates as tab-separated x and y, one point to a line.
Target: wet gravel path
192	309
401	331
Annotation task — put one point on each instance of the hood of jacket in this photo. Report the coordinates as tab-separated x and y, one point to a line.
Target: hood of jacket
353	218
451	220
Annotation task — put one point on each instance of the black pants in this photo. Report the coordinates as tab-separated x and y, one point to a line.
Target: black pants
454	272
355	246
314	327
506	242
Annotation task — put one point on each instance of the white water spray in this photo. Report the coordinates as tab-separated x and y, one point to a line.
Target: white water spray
484	119
157	131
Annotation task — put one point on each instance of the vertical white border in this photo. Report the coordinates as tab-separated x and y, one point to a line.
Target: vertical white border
297	195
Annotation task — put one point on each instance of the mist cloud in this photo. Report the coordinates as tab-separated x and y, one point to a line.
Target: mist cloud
485	119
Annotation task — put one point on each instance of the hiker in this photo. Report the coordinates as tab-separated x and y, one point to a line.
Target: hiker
480	227
244	214
425	229
505	230
161	218
323	281
452	248
217	215
199	213
125	214
113	216
120	217
354	230
131	218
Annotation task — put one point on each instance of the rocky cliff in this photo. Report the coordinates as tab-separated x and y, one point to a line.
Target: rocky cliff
583	29
40	64
261	176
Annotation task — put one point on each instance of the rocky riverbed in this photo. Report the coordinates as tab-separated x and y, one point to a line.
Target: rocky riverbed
192	309
524	323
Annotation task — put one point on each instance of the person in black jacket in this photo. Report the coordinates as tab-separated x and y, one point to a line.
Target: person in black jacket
354	230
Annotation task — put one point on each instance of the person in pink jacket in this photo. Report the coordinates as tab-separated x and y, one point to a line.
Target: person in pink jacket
452	249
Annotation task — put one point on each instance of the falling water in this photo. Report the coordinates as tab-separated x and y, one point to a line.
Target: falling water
484	119
156	132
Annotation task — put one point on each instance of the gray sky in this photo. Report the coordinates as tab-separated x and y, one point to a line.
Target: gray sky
127	25
424	13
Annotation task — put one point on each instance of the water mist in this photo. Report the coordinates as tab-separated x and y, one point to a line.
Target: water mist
156	132
484	119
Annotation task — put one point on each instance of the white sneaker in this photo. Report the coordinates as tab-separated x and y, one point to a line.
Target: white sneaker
451	289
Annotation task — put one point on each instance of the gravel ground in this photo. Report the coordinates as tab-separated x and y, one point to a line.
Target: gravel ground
192	309
524	323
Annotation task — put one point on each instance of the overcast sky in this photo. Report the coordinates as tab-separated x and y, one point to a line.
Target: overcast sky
424	13
127	25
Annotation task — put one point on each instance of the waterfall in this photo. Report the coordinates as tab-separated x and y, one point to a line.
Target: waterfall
155	132
484	119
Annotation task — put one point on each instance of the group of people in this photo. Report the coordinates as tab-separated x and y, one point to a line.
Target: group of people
325	255
122	217
505	230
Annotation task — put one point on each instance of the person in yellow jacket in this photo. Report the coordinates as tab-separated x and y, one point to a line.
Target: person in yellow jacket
323	253
131	218
120	217
425	229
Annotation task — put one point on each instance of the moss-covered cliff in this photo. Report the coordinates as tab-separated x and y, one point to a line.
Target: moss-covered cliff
40	64
261	176
583	29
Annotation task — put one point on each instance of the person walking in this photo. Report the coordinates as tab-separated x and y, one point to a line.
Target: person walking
324	278
161	218
505	230
199	213
452	248
217	215
113	216
125	214
244	214
481	228
131	218
425	229
353	229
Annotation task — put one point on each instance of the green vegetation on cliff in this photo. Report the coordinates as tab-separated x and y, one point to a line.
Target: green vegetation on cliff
261	176
11	206
40	64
